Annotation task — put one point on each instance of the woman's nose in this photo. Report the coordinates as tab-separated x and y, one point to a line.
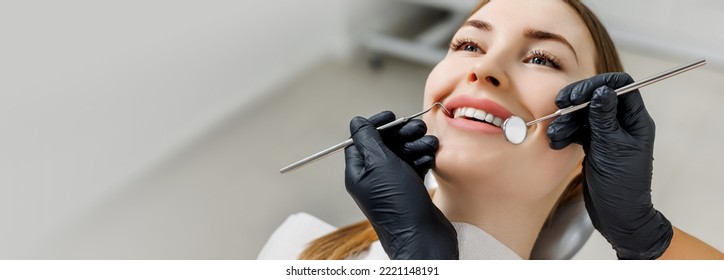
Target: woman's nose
485	74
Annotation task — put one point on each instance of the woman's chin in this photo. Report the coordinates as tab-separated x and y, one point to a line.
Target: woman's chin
460	170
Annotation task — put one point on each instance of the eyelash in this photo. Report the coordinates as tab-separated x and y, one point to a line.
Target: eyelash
555	62
459	44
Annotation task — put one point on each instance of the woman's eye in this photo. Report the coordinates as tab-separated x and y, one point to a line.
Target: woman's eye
541	61
544	59
471	48
466	45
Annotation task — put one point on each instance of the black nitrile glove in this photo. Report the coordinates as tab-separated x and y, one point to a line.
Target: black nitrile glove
391	193
617	135
408	141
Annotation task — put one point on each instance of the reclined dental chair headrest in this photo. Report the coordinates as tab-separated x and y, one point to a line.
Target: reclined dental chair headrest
566	232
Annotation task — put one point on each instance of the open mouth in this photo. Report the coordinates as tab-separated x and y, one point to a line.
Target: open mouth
477	115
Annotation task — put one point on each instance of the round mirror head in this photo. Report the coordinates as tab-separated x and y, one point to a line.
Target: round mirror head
515	130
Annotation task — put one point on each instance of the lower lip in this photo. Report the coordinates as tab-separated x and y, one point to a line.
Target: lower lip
474	126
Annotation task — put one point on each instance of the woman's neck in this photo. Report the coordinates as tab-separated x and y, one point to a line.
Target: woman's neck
513	222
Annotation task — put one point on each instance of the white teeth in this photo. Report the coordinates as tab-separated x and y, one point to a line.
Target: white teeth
470	112
458	113
478	115
497	121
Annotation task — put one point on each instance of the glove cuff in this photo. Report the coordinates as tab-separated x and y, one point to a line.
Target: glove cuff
658	232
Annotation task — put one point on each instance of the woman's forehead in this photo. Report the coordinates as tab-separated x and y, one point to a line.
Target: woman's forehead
553	16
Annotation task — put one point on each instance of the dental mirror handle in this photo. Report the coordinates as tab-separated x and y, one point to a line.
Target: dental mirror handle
328	151
628	88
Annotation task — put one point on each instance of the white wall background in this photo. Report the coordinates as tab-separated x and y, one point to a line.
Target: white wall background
96	92
667	28
93	94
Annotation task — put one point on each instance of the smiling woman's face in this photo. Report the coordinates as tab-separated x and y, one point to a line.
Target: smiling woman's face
510	58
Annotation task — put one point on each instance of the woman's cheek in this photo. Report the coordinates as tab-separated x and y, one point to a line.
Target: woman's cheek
443	79
433	86
541	99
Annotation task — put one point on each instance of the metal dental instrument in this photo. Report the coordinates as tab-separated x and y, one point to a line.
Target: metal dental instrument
349	142
515	128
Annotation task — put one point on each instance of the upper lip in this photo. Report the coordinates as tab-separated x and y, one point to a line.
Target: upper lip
484	104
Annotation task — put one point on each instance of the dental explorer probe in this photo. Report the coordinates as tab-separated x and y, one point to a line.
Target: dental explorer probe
349	142
515	128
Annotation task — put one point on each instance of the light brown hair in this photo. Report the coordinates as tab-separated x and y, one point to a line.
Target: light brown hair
356	238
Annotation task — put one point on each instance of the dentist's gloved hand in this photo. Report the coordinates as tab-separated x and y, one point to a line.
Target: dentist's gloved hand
617	135
384	177
408	141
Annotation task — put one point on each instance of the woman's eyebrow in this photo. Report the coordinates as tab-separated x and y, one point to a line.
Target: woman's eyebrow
479	24
528	33
544	35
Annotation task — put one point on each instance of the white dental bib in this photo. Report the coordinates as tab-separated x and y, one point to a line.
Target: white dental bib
292	237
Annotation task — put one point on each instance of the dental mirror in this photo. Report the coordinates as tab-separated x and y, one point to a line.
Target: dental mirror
515	129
